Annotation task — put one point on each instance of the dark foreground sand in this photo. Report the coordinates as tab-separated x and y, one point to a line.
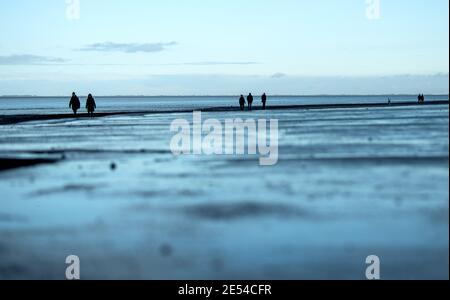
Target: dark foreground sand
15	119
13	163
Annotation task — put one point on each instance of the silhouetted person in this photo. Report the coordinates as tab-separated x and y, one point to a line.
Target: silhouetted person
264	100
250	101
75	103
90	105
242	102
421	98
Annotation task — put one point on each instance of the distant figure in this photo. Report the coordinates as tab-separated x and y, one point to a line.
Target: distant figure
242	102
421	98
250	101
264	100
90	105
75	103
389	101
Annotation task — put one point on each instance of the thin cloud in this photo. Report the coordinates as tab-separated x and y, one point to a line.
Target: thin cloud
218	63
200	64
128	47
278	75
26	59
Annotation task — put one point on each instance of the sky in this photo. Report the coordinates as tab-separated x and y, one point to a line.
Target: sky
218	47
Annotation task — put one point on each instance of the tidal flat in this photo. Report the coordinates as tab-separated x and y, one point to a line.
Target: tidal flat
349	183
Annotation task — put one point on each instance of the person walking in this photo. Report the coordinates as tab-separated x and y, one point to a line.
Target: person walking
242	102
421	98
91	105
75	104
264	100
250	101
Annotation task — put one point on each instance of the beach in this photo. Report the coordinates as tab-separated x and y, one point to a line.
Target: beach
8	119
352	180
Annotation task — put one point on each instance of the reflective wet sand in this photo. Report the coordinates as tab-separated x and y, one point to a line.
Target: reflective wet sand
349	183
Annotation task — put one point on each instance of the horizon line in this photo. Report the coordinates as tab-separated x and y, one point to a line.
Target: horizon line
216	96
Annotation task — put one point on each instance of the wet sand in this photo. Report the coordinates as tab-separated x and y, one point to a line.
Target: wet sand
12	163
15	119
350	182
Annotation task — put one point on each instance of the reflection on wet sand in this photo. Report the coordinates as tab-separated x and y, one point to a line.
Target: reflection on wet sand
349	183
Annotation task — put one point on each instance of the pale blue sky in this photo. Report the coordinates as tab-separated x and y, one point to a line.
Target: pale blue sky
160	47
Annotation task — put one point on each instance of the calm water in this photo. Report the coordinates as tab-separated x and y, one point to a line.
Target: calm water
107	104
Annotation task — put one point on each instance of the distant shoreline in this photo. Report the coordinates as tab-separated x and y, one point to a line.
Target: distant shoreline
16	119
225	96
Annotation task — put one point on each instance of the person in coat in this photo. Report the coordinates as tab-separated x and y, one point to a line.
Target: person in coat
90	105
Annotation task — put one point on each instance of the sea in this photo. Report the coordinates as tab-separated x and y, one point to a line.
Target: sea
56	105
